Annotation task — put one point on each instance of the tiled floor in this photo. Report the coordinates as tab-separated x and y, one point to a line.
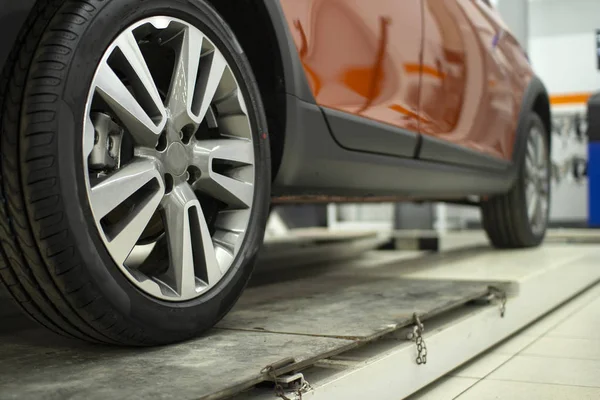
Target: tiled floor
557	358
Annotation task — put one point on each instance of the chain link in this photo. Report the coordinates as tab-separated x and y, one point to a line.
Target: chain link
417	335
502	298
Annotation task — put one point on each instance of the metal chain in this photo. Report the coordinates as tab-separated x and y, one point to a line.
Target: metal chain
280	391
417	335
502	298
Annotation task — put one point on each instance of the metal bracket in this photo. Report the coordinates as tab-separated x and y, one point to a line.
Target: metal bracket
417	335
292	384
499	295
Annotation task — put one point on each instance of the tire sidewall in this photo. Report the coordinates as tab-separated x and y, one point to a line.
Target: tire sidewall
161	320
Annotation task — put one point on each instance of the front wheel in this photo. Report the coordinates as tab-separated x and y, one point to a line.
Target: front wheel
136	169
520	218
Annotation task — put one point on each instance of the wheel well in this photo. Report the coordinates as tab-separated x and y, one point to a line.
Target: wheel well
254	31
541	107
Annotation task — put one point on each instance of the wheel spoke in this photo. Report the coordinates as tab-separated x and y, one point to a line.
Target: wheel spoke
537	218
143	79
544	206
183	85
236	151
234	221
124	184
212	68
529	170
532	199
229	190
139	186
545	188
232	153
191	250
541	150
127	108
531	151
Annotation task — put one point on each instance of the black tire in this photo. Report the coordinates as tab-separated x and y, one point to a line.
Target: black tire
505	217
54	262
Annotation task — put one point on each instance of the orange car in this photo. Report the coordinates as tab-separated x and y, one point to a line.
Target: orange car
143	142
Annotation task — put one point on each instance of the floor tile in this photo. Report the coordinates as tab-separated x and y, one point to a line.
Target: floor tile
444	389
561	314
560	371
481	366
514	345
584	324
565	348
504	390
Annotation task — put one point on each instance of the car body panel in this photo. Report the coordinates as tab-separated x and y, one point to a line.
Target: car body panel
474	77
367	62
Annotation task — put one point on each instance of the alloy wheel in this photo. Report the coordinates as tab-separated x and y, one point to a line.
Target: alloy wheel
537	182
169	158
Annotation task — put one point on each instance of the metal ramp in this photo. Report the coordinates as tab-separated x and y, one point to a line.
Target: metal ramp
317	316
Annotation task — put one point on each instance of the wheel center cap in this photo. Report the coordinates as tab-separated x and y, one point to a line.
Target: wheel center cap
176	160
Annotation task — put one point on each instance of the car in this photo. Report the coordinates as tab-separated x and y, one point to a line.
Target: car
142	142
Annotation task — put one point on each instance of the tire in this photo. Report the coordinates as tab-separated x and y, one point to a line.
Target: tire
506	218
56	262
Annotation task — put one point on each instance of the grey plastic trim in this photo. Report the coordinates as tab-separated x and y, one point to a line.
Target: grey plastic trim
362	134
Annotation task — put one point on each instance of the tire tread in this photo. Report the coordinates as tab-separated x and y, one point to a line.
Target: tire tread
40	272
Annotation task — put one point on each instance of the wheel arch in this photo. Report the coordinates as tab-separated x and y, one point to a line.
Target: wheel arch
537	100
541	107
263	34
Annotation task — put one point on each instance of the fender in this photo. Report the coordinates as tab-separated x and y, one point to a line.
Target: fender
535	99
296	83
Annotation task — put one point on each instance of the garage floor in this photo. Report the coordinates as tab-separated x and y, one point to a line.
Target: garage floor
345	327
556	358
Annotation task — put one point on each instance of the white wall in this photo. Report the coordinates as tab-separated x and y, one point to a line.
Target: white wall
562	48
562	44
516	15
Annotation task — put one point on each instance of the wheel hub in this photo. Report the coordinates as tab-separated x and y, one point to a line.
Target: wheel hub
176	160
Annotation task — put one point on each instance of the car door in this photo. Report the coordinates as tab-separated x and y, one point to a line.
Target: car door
469	113
362	60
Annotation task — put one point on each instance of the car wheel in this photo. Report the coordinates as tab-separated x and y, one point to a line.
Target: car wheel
135	170
520	218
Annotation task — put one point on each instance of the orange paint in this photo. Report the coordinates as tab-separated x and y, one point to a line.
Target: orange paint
351	52
570	99
425	70
475	100
444	68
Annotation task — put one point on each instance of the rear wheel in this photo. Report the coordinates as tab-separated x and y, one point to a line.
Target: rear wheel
520	217
136	169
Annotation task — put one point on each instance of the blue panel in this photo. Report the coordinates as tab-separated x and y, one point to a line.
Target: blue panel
594	183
